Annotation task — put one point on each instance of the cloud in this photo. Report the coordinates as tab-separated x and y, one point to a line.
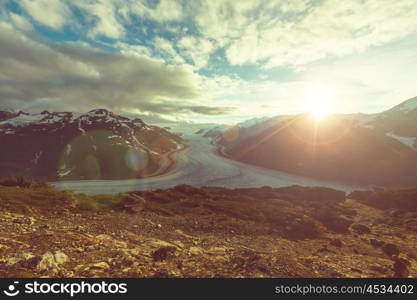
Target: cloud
78	77
277	33
103	14
268	33
196	49
166	48
51	13
339	29
158	51
20	22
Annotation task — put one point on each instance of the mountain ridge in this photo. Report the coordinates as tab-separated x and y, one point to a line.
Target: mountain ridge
354	141
95	145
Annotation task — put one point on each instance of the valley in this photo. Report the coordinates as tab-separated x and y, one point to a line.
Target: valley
200	165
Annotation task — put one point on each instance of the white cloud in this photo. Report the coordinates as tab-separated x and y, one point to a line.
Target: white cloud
133	49
196	49
78	77
186	34
104	17
163	11
167	10
300	31
20	22
166	47
51	13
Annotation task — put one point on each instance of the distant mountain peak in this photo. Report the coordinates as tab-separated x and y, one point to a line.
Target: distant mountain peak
66	145
99	112
406	106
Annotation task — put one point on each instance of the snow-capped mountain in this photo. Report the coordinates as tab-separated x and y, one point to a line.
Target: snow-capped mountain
8	114
252	122
401	120
339	149
406	106
95	145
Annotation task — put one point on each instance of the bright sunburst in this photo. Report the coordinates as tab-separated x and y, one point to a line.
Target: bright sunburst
319	102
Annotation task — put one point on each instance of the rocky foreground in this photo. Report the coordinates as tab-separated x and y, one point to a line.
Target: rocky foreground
203	232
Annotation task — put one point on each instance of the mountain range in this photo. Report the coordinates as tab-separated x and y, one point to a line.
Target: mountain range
378	150
70	146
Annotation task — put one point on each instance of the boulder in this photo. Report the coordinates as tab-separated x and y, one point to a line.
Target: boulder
163	253
376	243
336	242
390	249
133	204
360	228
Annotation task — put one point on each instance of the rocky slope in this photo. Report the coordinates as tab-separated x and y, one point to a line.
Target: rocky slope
203	232
69	146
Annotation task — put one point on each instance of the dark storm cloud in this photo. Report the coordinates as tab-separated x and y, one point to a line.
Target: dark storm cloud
78	77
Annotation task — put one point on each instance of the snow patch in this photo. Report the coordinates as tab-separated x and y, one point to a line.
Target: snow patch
408	141
68	149
36	158
63	172
252	122
80	128
23	120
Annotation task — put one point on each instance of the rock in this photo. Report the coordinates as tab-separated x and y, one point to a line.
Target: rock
47	263
360	228
133	203
179	244
100	265
390	249
109	241
376	243
104	237
396	213
60	257
217	251
24	220
22	257
79	250
336	242
256	263
156	244
400	235
163	274
324	250
195	250
356	270
163	253
400	267
378	269
19	221
302	227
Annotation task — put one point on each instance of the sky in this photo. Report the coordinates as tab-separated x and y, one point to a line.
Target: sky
207	61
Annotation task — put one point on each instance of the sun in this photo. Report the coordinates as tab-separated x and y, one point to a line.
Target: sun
320	110
319	102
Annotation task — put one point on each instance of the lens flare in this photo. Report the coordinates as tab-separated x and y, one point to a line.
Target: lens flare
136	160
